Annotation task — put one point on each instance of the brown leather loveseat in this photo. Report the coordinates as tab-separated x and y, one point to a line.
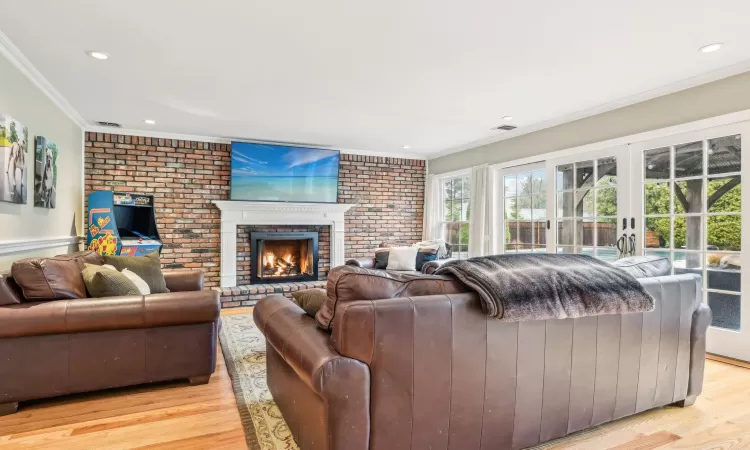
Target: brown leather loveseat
428	369
56	347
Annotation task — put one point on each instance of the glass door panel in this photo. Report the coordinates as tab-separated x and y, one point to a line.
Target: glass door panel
690	209
588	193
524	218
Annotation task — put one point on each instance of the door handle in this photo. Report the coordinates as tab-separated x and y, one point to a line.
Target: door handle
624	223
632	223
548	225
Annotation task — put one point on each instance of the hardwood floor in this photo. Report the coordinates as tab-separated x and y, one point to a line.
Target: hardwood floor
179	416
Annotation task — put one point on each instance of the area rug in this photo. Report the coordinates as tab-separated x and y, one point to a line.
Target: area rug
244	350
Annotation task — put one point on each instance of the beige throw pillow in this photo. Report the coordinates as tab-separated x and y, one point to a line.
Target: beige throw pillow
138	281
310	300
402	258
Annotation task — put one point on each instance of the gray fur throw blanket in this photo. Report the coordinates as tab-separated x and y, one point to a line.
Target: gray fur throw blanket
521	287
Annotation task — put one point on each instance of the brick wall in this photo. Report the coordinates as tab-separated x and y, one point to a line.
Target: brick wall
184	176
389	194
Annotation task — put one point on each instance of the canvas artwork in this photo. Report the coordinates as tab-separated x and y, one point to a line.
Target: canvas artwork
45	173
14	138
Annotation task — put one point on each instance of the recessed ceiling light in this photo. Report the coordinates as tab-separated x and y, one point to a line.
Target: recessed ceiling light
711	48
98	55
150	122
508	118
406	147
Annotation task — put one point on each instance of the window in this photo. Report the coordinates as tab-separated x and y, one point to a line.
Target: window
525	216
455	193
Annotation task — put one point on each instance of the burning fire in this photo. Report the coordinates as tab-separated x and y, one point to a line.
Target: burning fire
282	265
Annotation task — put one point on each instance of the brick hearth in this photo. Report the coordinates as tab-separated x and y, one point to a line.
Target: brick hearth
249	295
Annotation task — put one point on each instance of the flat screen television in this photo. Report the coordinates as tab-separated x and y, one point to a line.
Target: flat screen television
280	173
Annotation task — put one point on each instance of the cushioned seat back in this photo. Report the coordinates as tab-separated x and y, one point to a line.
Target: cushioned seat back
10	293
350	283
55	278
645	266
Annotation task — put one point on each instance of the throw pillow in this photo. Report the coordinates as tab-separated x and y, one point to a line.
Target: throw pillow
310	300
103	282
139	282
57	278
147	267
424	255
402	258
381	258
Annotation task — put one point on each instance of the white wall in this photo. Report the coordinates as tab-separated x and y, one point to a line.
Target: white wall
709	100
22	100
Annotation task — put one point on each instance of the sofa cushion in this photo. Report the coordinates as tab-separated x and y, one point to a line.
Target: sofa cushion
645	266
402	258
425	255
381	258
351	283
105	282
57	278
147	267
310	300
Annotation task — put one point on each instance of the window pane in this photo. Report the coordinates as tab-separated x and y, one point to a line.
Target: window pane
606	171
538	207
724	154
566	250
607	254
584	203
564	176
687	262
510	185
524	208
584	232
524	184
724	194
448	208
511	232
606	232
539	230
511	248
723	271
656	198
510	208
450	233
565	204
538	182
565	232
584	174
525	234
688	196
657	233
687	233
606	202
688	160
465	188
463	235
726	310
724	233
457	188
657	164
464	209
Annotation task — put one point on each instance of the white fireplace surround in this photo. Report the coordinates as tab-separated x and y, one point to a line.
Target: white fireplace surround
234	213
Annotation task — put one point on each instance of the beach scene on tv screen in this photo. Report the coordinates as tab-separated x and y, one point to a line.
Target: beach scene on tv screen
262	172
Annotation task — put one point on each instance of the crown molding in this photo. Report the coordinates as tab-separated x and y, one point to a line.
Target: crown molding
715	75
222	140
19	60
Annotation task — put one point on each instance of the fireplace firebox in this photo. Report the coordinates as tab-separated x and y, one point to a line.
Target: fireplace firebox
283	257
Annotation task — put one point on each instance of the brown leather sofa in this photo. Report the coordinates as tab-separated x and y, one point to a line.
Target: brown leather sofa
434	371
52	348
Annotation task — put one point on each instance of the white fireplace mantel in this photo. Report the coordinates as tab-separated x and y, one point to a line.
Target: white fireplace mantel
235	213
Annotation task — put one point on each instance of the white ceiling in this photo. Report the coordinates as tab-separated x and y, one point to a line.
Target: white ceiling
432	74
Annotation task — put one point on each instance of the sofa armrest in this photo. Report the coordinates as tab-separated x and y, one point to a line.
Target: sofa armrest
111	313
183	280
304	346
365	263
431	266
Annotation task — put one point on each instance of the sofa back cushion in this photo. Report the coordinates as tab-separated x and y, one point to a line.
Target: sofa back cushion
351	283
10	293
57	278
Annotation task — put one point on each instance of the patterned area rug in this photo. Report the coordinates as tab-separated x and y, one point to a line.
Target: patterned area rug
244	351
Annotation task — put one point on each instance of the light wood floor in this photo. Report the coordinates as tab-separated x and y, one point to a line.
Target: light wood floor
178	416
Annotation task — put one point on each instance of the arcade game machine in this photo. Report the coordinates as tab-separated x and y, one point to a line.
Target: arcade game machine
122	224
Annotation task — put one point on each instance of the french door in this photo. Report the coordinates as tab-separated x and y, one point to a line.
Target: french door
688	203
680	196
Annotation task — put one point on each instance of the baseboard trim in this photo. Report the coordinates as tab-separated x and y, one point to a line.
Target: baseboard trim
726	360
27	245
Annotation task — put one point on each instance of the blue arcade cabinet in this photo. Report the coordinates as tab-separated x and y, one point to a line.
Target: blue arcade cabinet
122	223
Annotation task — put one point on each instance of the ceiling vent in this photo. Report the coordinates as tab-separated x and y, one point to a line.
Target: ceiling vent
504	128
109	124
